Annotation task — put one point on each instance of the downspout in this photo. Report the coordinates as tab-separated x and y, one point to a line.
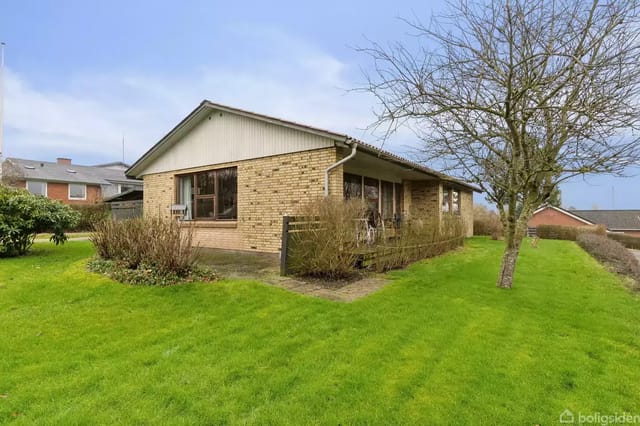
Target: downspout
354	148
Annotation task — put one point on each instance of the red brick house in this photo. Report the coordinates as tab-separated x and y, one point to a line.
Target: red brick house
624	221
67	182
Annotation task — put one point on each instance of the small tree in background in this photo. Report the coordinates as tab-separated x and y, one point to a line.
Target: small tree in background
23	215
517	96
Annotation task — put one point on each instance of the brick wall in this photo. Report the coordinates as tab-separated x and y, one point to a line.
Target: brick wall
60	191
466	210
426	198
551	216
426	201
268	188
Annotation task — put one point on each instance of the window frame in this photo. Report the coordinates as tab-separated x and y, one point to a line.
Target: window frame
397	193
448	201
213	197
46	189
84	185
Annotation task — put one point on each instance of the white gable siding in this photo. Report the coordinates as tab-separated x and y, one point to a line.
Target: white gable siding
224	137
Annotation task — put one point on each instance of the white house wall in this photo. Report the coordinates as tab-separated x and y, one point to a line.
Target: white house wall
223	137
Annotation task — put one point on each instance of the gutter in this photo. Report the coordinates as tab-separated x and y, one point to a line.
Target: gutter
354	148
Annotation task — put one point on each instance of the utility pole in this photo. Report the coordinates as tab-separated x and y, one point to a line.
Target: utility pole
2	44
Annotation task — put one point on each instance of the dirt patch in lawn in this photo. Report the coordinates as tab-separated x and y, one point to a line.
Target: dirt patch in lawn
265	267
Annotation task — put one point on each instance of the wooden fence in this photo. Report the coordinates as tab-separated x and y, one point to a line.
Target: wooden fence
369	256
121	210
293	225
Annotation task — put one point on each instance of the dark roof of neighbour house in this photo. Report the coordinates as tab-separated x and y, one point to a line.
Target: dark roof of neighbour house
129	195
114	164
18	168
206	105
612	219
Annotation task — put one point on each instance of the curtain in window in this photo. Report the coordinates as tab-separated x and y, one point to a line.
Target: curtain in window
186	195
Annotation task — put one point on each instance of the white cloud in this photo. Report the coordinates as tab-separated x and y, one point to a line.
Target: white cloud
86	116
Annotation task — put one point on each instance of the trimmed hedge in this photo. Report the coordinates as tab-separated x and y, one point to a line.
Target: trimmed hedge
571	233
626	240
611	253
90	216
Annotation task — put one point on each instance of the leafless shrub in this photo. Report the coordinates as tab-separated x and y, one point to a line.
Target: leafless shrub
612	254
329	243
161	244
419	238
626	240
570	233
486	222
326	245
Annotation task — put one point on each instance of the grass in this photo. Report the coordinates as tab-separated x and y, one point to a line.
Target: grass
46	235
440	345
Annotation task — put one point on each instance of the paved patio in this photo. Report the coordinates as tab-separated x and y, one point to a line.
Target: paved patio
265	267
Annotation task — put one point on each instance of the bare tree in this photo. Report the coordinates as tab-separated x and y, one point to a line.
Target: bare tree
517	96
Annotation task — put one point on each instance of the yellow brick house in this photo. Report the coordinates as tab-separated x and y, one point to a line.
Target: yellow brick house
234	174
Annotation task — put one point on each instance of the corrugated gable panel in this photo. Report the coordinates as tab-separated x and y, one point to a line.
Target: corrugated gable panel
225	137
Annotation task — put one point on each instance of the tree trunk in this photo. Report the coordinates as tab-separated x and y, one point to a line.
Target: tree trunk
508	267
513	239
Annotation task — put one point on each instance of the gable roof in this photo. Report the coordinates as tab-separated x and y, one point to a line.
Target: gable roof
206	106
18	168
613	219
565	212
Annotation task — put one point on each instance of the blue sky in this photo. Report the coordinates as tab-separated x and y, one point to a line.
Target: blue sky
81	74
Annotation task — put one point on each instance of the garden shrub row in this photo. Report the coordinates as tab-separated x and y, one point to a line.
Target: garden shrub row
571	233
330	243
611	253
152	251
626	240
486	222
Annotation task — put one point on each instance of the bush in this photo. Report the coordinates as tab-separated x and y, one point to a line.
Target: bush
90	215
420	239
570	233
330	243
23	215
326	246
146	251
628	241
486	222
611	253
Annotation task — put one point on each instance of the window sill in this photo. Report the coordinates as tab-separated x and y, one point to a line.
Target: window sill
210	223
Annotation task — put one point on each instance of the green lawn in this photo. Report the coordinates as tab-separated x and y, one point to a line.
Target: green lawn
440	345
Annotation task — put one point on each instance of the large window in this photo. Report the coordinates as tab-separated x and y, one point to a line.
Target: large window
379	195
77	191
36	187
352	186
210	195
450	200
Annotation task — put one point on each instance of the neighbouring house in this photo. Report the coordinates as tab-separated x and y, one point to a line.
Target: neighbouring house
624	221
233	174
67	182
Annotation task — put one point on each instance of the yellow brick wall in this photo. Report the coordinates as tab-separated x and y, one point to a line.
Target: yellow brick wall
159	190
268	188
466	210
426	198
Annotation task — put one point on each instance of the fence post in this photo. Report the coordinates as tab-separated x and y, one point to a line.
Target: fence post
284	251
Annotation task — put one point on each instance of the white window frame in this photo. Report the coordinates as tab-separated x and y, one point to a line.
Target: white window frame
37	181
76	198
